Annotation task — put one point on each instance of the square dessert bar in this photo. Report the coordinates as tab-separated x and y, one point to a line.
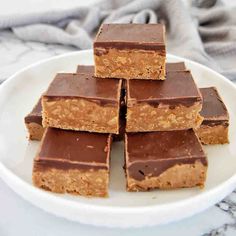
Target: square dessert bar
173	104
73	162
130	51
175	66
214	128
164	160
82	102
33	122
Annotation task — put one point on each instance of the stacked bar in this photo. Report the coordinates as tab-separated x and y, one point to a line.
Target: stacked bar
82	102
173	104
73	162
164	160
33	122
130	94
214	128
133	51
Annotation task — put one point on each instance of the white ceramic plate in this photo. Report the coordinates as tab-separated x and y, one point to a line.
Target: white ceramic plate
122	209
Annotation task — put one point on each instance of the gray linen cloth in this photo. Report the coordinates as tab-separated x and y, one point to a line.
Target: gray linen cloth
204	32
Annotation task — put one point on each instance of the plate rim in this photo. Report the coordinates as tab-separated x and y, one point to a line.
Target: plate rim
7	175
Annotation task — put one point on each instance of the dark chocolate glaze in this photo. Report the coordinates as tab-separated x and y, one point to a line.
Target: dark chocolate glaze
131	36
178	88
150	154
85	69
70	149
175	66
103	91
42	165
213	123
213	107
35	116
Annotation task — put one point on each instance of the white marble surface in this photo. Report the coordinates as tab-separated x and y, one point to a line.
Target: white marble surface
18	217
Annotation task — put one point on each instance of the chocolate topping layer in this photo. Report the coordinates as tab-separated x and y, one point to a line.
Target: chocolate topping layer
213	123
150	154
105	91
70	149
178	88
85	69
213	108
131	36
175	66
35	116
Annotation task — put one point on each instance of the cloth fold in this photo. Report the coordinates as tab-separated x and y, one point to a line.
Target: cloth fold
204	32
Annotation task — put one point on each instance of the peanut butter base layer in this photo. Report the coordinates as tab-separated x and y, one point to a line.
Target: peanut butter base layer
144	117
80	114
178	176
91	183
217	134
129	63
35	131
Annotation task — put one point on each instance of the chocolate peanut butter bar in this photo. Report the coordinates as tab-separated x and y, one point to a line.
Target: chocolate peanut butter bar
173	104
73	162
33	122
175	66
214	128
164	160
130	51
82	102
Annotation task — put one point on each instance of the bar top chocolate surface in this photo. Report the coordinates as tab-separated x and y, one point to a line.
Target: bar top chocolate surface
213	107
179	87
81	148
85	69
131	35
175	66
163	145
35	116
84	86
154	152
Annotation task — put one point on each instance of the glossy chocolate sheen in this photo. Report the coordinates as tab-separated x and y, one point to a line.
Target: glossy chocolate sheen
72	85
65	149
213	107
175	66
150	154
85	69
35	116
131	36
178	88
